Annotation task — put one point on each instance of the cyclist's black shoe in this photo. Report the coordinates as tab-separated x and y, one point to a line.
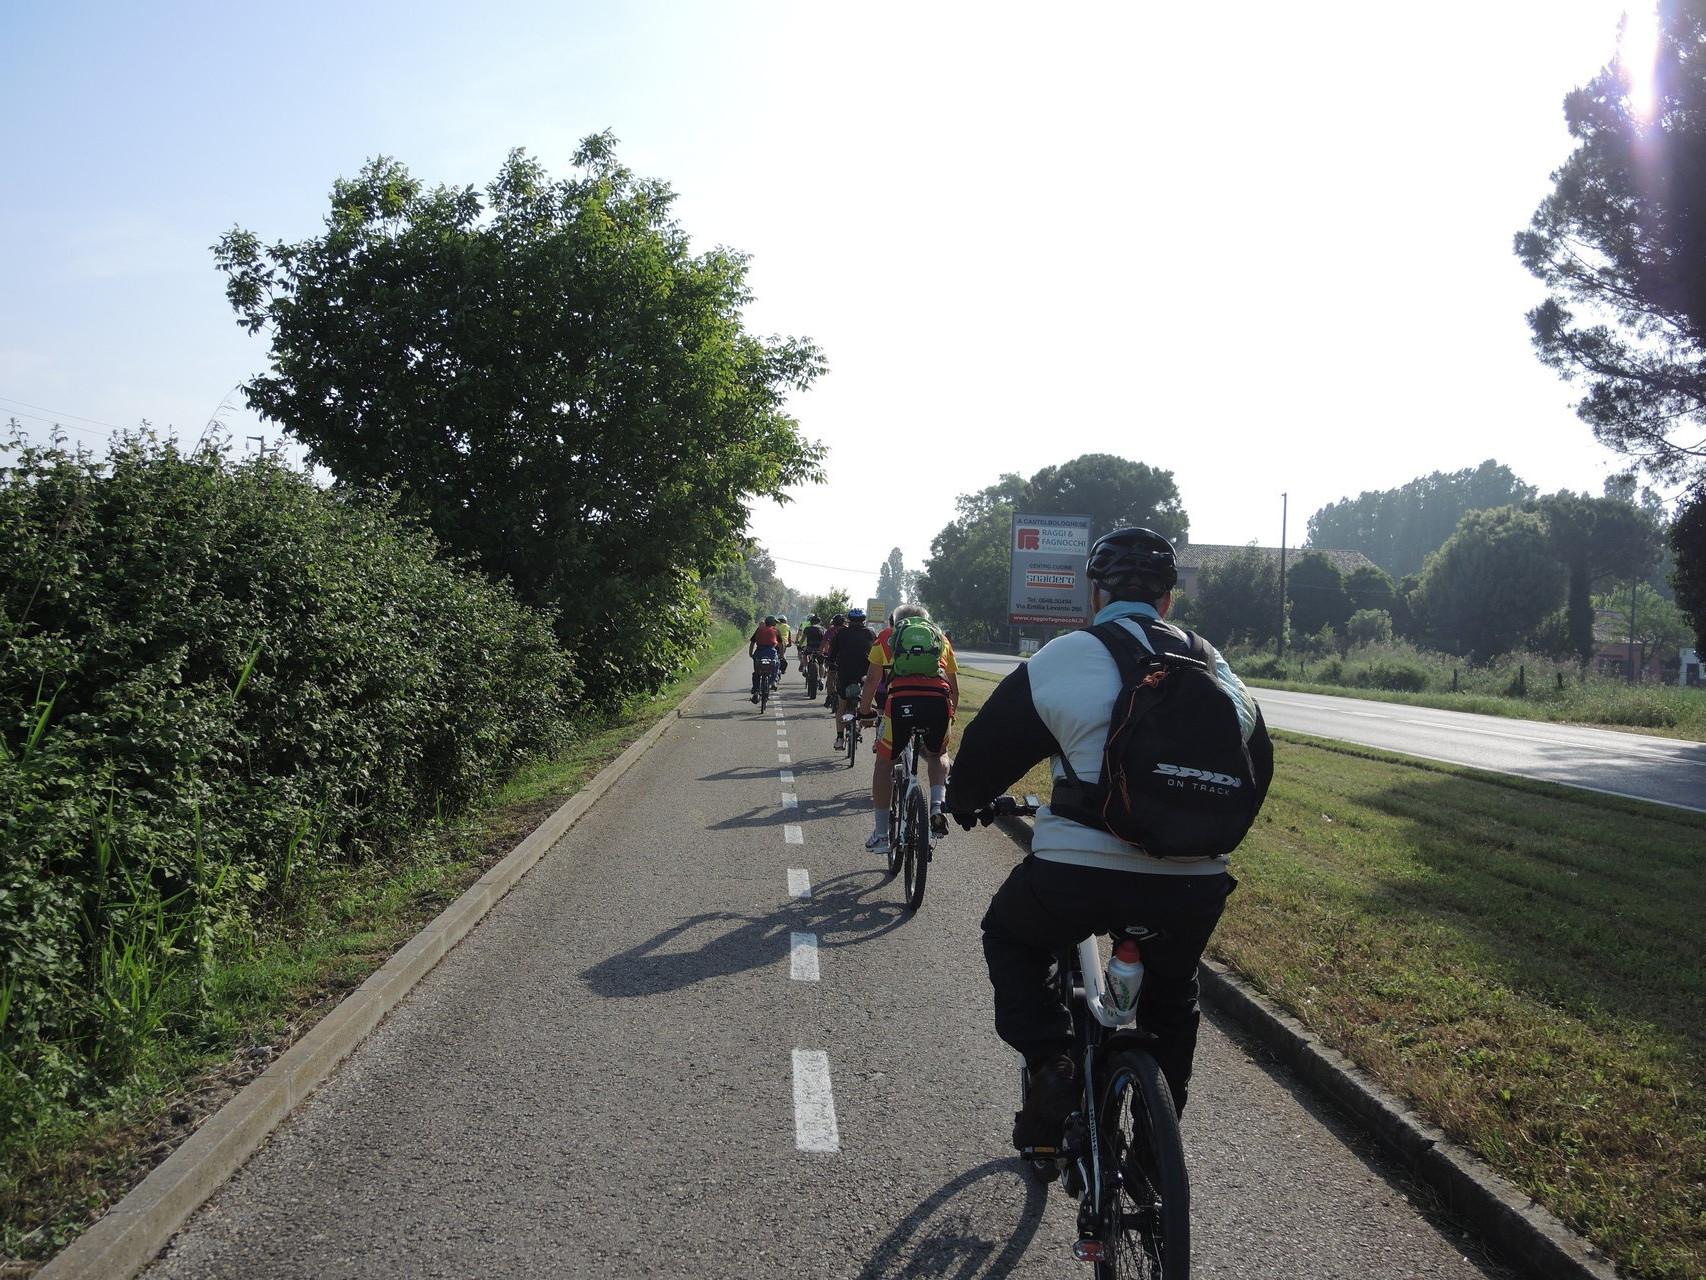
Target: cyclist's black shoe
1051	1096
938	823
755	697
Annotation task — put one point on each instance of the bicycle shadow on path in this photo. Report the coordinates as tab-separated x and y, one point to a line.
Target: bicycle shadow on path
840	912
948	1233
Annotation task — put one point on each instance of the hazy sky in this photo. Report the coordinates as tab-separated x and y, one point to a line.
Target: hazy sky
1264	247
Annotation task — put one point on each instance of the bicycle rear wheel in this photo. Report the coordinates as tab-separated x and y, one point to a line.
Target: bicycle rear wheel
811	680
897	803
852	742
915	862
1146	1211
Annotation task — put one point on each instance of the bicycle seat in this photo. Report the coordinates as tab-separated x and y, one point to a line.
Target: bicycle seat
1139	933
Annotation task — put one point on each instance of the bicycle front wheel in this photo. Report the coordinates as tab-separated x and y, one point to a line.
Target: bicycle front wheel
1146	1192
915	864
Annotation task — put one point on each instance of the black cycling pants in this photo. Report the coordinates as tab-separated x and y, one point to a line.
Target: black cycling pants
1044	908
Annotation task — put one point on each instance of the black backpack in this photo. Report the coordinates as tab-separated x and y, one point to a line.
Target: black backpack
1177	779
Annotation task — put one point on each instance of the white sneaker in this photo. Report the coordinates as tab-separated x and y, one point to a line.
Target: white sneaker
879	842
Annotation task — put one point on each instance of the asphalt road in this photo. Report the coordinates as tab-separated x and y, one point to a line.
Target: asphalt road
700	1039
1665	771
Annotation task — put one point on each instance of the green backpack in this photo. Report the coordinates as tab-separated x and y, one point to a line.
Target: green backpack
916	646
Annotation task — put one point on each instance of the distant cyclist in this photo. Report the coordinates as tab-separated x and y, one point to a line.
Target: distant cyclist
810	644
784	636
837	625
761	646
912	668
849	656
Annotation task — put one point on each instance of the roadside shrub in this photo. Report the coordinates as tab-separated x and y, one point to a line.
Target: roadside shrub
1400	677
1332	671
216	680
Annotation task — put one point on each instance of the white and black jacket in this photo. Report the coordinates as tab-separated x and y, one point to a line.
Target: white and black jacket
1061	701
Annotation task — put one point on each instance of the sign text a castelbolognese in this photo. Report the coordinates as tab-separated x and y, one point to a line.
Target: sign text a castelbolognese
1047	587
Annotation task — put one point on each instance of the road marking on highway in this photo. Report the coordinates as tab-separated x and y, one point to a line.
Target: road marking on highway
784	758
790	800
799	882
787	775
793	833
802	957
814	1104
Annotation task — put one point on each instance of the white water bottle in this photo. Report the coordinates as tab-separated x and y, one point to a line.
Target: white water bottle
1125	976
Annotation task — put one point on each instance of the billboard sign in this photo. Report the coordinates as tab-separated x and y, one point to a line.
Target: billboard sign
1047	587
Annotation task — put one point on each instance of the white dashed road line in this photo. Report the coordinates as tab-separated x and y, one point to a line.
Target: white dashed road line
799	883
802	957
792	834
814	1104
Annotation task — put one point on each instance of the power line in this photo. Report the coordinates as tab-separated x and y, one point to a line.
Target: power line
834	568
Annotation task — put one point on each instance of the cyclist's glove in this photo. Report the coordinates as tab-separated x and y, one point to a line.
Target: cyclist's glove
966	820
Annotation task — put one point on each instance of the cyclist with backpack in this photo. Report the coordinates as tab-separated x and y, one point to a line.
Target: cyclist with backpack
1181	780
849	656
810	643
913	671
761	647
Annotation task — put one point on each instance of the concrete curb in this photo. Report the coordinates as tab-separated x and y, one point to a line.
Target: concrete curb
1526	1234
130	1234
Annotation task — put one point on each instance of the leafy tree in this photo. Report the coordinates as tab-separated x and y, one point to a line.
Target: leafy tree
966	578
826	607
1369	626
1399	528
1371	588
1113	492
893	580
1598	540
1621	244
549	376
732	593
1238	599
1494	581
1316	590
1688	541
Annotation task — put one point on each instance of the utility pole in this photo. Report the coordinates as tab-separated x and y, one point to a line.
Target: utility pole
1632	582
1279	649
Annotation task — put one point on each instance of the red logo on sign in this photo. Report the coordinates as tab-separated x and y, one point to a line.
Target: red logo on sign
1030	539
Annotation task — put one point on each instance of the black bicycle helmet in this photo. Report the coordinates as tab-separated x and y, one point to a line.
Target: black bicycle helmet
811	619
1132	564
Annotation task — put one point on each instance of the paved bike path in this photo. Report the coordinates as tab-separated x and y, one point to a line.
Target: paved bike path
635	1066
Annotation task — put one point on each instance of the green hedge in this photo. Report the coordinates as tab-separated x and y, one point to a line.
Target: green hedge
218	682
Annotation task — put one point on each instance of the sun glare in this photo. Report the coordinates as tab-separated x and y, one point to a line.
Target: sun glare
1637	51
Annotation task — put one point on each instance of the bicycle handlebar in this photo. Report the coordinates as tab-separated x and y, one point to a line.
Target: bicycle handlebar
1001	807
